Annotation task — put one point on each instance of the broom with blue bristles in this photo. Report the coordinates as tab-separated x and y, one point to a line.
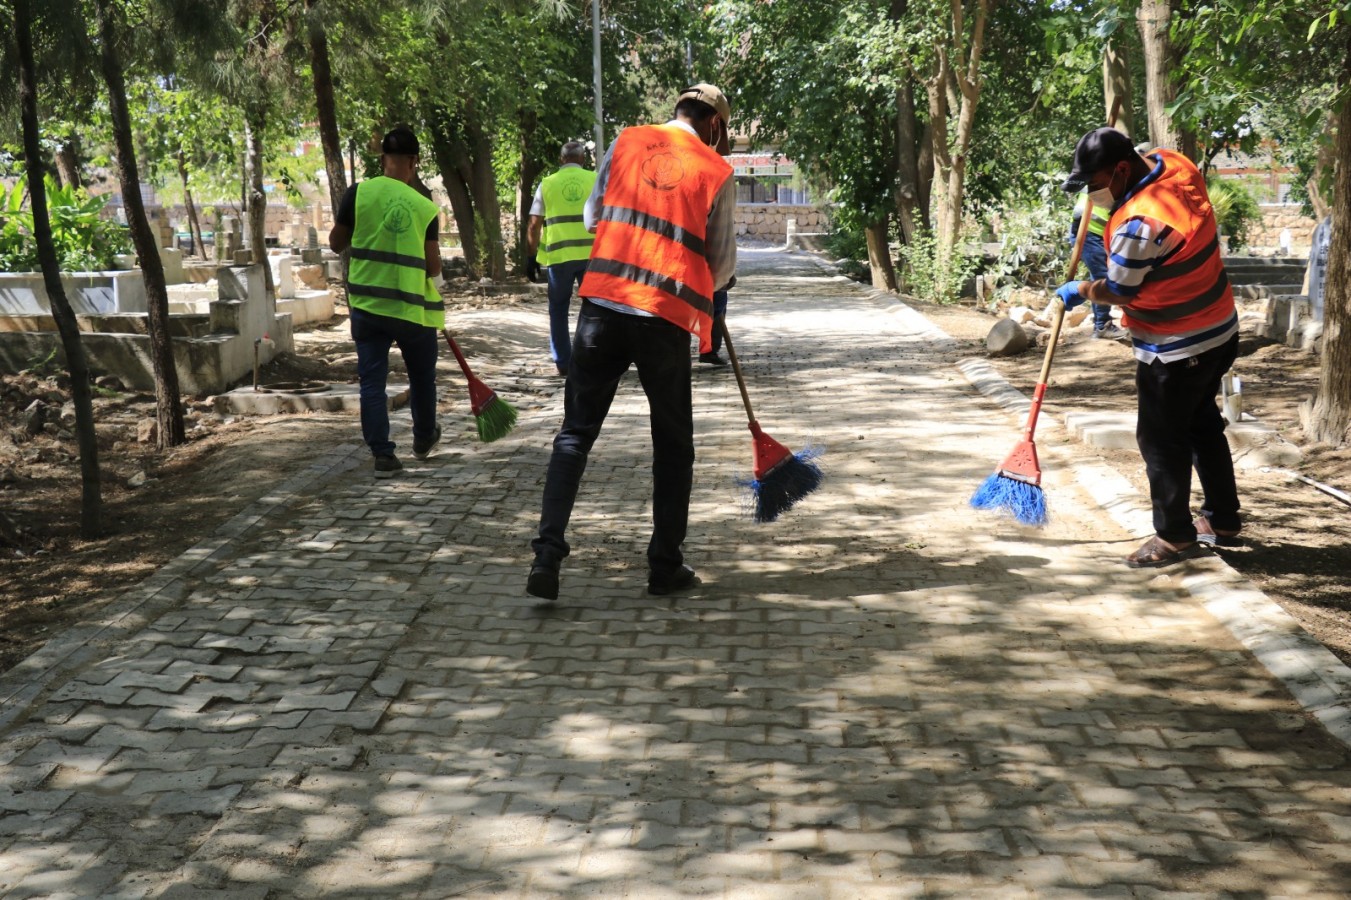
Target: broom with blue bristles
781	477
1015	487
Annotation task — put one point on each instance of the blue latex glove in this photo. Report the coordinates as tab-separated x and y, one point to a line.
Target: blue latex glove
1069	293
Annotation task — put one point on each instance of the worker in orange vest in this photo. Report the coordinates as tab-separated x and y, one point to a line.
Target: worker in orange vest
662	210
1165	270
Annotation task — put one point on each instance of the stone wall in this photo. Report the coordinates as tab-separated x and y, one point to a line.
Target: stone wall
1277	217
769	221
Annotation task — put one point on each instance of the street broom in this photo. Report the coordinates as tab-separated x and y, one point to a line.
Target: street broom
781	477
495	417
1015	487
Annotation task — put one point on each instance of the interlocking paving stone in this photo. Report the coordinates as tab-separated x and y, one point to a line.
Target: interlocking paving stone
884	694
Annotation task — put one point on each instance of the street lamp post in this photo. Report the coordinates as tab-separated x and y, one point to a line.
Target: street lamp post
595	66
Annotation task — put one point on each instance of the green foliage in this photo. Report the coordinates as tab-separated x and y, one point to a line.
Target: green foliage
846	243
1034	244
85	240
1235	210
932	275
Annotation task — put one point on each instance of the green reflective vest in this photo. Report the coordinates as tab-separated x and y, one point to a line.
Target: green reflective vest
565	237
387	271
1097	223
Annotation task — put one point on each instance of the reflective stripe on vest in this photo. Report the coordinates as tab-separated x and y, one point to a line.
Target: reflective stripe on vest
387	269
1097	223
649	251
565	238
1189	291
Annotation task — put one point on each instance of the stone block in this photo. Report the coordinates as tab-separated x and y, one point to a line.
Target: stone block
1006	338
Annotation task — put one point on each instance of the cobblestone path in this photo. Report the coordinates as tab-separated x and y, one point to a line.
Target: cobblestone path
346	692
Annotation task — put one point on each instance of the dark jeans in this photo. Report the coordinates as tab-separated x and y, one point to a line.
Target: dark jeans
418	344
1180	426
719	311
607	343
1094	256
562	278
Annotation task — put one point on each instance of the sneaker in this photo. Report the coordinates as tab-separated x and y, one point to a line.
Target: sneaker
713	359
679	580
421	448
1111	332
387	466
543	580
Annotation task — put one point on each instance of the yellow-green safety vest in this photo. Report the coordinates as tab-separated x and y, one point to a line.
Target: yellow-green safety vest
387	271
1097	223
565	237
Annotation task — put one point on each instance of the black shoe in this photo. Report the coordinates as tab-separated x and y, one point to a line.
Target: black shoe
543	580
421	448
679	580
713	359
387	466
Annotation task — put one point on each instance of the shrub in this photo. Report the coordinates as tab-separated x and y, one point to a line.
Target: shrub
929	277
85	241
1235	210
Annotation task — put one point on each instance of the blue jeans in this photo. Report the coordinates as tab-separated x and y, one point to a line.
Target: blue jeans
1094	256
607	343
719	311
418	344
562	278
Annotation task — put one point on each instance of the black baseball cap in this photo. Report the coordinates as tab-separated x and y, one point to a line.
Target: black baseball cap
1097	150
400	142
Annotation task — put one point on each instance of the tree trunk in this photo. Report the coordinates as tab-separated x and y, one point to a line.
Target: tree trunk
325	107
449	154
193	224
1116	87
67	159
907	162
879	255
1323	169
483	188
255	120
91	499
169	404
1330	417
1154	18
530	172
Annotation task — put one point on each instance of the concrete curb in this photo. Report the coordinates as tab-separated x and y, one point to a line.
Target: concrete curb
1318	680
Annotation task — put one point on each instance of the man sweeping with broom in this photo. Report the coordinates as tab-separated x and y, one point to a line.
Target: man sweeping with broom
662	210
1165	270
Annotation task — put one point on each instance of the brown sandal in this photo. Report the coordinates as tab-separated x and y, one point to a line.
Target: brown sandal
1157	552
1206	534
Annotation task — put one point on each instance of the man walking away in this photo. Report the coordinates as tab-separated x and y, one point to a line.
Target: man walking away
662	207
1164	269
392	231
556	221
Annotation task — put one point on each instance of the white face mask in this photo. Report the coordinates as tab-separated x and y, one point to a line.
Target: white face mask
1102	198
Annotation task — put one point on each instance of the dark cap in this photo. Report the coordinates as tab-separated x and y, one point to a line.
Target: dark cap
400	142
1097	150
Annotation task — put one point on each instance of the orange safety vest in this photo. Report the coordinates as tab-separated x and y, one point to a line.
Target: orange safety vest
649	250
1190	291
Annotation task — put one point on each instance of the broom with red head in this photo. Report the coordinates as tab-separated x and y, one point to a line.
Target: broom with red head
495	417
782	477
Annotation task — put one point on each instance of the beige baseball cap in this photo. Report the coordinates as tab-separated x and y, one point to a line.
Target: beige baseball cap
707	93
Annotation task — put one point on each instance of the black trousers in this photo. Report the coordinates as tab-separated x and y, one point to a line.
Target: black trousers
606	344
1180	427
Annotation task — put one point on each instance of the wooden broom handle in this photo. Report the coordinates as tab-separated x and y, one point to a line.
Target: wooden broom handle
721	325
